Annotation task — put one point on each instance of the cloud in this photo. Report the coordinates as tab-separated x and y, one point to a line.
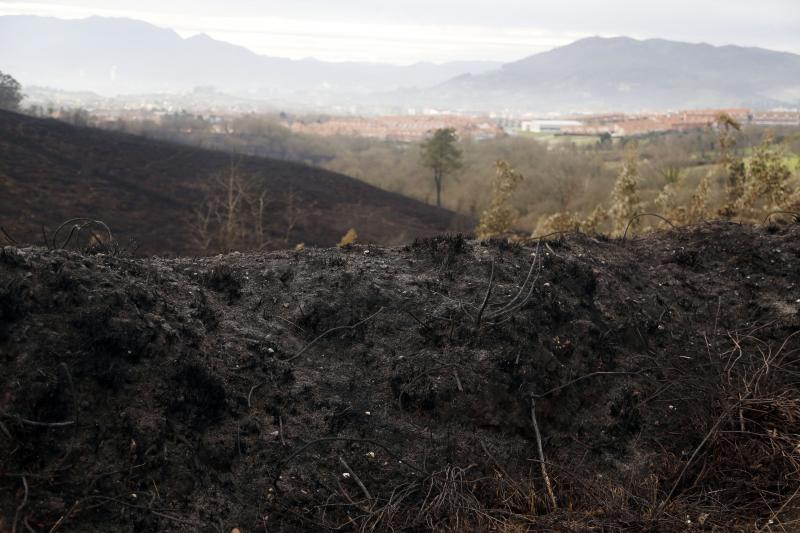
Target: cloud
440	30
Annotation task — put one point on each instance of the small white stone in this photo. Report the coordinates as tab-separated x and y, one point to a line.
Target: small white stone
270	350
371	455
368	413
346	475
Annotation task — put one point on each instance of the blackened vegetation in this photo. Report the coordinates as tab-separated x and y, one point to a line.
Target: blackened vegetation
441	250
225	280
369	389
53	171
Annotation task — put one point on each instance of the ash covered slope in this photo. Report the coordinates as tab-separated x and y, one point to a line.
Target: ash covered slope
51	172
210	394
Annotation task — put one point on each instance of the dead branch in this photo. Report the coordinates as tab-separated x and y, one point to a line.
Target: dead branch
21	506
515	303
37	423
542	462
485	298
9	237
86	222
795	216
337	328
355	477
565	385
344	439
640	215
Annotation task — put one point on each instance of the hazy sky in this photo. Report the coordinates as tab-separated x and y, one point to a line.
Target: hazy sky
404	31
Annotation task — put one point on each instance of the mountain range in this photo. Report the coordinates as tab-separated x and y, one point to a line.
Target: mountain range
627	74
123	56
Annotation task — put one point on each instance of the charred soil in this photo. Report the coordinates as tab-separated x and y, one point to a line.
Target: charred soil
411	388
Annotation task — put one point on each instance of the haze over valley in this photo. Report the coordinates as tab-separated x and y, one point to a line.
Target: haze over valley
116	56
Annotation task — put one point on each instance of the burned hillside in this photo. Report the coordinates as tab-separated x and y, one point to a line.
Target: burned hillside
451	385
157	194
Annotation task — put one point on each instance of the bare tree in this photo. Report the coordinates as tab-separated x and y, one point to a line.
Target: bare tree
232	213
292	214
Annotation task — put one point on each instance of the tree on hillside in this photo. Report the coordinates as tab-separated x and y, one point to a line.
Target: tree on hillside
232	214
500	217
732	166
767	177
440	154
625	196
10	92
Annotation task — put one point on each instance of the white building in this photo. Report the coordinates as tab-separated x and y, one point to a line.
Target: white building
547	126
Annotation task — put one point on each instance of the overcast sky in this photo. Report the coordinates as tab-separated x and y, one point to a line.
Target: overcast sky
405	31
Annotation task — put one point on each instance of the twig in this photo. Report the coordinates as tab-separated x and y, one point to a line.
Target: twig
337	328
485	298
37	423
46	241
494	459
252	389
420	322
796	215
345	439
69	237
565	385
779	511
561	232
511	306
640	215
9	237
355	477
280	430
153	511
21	506
5	430
547	484
86	222
75	410
710	433
458	381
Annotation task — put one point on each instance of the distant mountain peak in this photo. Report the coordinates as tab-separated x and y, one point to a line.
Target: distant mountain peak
78	54
599	73
627	74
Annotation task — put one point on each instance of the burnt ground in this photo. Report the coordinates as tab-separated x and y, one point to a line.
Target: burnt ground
261	391
149	191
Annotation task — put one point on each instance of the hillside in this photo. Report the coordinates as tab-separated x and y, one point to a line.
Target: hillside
418	388
124	56
623	74
149	190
